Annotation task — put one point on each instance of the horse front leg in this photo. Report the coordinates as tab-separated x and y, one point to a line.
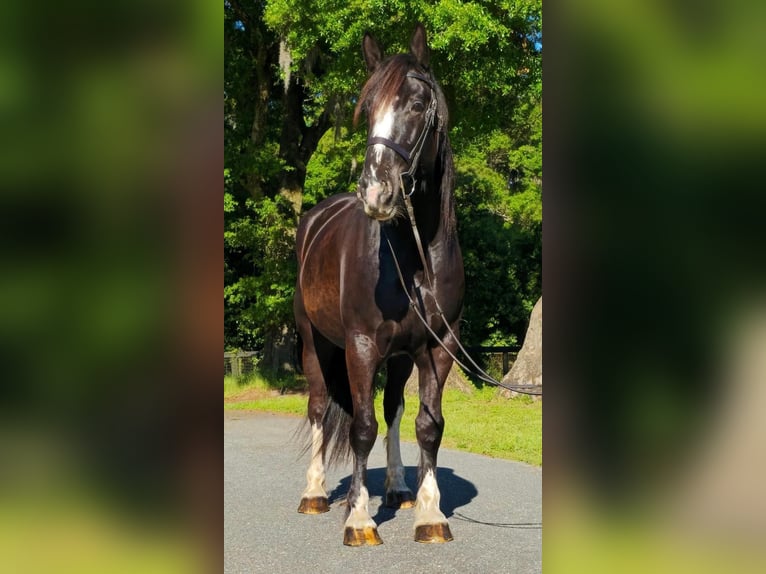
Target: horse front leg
430	523
360	528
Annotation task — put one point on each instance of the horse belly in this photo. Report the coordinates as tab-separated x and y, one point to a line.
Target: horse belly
321	302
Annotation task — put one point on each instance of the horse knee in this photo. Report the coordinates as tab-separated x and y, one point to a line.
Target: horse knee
364	431
316	409
429	427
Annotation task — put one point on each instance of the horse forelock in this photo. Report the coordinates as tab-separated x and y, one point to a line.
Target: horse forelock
381	88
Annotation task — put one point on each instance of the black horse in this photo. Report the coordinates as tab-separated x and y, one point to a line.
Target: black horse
351	306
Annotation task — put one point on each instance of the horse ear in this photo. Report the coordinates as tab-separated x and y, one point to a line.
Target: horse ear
372	51
419	46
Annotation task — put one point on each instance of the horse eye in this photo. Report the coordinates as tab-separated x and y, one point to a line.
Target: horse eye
417	106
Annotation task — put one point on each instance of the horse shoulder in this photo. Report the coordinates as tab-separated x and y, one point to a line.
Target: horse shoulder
317	219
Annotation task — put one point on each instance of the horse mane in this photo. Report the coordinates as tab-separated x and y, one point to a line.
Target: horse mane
381	87
447	186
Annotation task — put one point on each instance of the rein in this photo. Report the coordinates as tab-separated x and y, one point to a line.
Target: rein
477	371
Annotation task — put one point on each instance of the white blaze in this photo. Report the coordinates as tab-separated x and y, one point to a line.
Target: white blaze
384	125
383	128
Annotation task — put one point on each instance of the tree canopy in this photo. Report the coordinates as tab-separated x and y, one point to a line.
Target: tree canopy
293	70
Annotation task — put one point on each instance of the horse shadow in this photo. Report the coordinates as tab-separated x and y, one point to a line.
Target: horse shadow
455	490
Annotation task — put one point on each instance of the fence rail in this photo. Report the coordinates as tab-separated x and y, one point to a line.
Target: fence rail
508	354
238	363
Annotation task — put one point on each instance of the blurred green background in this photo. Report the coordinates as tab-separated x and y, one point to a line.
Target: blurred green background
105	143
653	247
111	271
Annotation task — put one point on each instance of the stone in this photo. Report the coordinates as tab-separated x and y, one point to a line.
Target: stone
528	367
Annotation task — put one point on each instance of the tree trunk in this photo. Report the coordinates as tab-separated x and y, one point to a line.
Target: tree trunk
263	79
297	142
279	351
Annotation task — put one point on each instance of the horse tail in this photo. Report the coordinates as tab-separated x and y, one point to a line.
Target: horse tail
336	423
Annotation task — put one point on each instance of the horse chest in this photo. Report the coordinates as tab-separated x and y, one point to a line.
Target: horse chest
415	326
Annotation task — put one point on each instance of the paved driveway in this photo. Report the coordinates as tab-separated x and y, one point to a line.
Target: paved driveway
493	506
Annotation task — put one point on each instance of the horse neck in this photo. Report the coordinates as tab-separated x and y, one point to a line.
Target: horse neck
427	206
434	206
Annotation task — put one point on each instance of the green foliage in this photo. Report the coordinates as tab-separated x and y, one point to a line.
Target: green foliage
499	180
334	167
485	56
261	240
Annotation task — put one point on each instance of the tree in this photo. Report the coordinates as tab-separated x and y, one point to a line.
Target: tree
293	71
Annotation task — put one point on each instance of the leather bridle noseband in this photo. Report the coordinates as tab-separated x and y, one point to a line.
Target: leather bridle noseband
412	158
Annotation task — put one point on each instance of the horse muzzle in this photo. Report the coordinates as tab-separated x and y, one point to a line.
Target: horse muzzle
378	199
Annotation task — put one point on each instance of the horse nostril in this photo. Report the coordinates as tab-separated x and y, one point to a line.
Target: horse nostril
387	192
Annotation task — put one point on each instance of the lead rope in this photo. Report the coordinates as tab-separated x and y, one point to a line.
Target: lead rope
477	370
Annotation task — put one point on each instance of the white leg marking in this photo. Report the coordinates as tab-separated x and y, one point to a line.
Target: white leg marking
359	517
315	476
395	469
427	506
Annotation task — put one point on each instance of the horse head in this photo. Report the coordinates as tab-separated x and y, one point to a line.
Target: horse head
402	103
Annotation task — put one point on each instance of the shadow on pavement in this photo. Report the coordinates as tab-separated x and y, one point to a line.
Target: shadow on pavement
455	490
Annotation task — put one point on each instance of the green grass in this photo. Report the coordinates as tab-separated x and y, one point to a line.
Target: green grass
233	386
480	422
287	403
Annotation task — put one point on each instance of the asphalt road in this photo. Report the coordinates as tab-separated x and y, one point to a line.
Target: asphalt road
494	508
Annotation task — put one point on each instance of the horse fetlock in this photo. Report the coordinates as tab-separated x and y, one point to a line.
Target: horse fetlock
360	529
427	510
400	498
315	476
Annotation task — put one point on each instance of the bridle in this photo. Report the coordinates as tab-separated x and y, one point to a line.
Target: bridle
412	157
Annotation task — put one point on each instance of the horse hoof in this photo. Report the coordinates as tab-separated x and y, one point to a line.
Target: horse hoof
433	533
403	499
315	505
367	536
